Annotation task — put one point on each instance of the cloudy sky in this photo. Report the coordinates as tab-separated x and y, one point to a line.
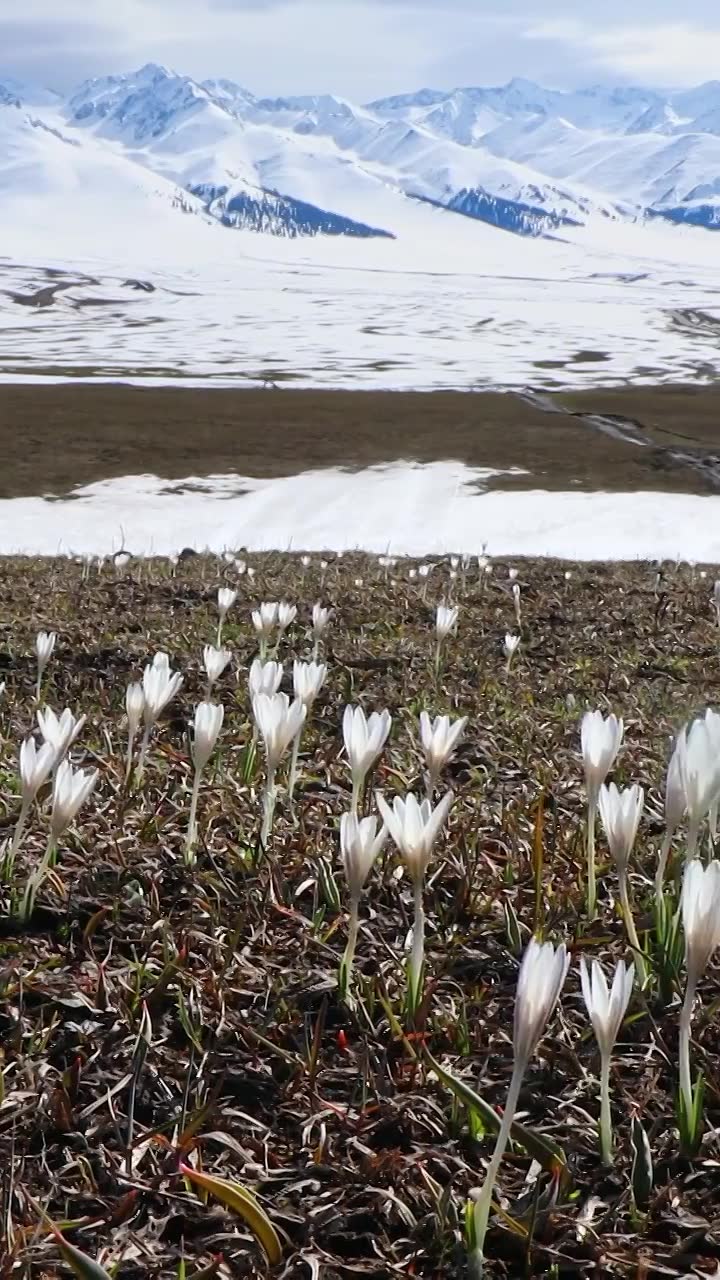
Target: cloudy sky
364	48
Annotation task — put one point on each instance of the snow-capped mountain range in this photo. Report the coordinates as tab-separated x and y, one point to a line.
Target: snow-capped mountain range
519	156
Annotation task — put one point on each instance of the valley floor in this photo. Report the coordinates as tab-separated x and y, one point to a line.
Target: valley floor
607	474
663	439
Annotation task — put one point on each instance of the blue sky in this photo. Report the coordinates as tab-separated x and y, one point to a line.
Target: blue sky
364	48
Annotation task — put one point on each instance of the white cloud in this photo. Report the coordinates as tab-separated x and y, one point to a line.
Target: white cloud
362	48
671	52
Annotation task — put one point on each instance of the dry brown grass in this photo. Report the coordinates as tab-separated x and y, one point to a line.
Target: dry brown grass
361	1158
181	432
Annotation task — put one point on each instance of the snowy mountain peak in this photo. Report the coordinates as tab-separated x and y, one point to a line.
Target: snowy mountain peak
321	105
151	72
139	105
405	101
226	91
520	156
8	98
690	103
25	94
658	118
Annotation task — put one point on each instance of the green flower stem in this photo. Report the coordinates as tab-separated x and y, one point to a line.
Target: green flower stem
268	808
591	891
355	801
692	840
292	778
129	756
438	657
484	1201
143	753
346	964
631	931
27	906
662	863
10	856
417	953
192	822
606	1143
684	1042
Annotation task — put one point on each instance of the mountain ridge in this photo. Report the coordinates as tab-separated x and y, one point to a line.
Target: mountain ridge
519	156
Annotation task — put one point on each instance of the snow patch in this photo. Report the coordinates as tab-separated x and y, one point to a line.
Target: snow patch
403	508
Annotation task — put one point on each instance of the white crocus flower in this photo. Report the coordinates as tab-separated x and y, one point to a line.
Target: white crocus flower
320	622
414	828
264	677
278	721
511	644
62	731
206	729
286	615
700	909
446	620
308	680
226	598
265	620
542	974
207	724
540	981
699	764
160	685
606	1010
364	740
134	708
215	661
424	571
320	618
620	813
360	844
712	720
35	768
439	739
600	741
70	791
44	645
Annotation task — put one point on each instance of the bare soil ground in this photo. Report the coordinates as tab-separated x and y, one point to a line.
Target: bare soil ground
360	1156
55	437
